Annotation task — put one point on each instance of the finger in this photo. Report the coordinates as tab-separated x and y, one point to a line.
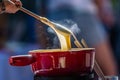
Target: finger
18	4
14	10
13	1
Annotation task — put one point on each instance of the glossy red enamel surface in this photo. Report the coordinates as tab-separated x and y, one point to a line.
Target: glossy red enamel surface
63	63
57	63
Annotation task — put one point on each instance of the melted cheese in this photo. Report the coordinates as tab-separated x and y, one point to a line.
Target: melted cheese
62	33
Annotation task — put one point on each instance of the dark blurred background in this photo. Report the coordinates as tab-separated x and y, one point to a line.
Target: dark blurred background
20	33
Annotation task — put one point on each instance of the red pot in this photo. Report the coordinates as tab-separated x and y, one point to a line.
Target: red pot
52	62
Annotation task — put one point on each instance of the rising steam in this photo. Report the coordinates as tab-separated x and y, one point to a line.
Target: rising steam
69	24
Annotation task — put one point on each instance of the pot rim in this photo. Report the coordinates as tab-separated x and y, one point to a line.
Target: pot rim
57	50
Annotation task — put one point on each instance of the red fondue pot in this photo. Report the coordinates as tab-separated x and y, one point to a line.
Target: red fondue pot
55	62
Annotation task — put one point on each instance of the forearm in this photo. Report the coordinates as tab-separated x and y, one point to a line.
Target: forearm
106	60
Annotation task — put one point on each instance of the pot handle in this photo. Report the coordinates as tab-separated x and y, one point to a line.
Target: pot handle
22	60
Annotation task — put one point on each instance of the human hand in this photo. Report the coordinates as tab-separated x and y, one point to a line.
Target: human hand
12	6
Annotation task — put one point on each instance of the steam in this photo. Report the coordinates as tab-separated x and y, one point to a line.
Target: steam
69	24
